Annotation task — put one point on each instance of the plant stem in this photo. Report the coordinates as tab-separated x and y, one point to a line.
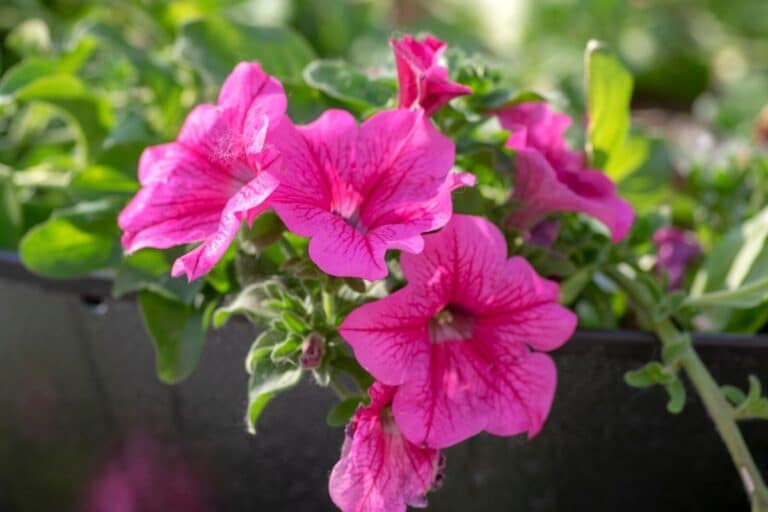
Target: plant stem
329	307
715	403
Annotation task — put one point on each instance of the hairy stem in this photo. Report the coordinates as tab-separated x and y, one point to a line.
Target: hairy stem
714	402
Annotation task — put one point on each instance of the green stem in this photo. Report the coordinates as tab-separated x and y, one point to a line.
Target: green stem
714	402
329	307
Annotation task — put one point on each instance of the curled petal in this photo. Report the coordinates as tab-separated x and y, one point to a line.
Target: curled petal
540	192
422	81
379	470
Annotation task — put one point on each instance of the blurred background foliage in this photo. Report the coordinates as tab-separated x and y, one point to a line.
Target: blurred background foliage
86	85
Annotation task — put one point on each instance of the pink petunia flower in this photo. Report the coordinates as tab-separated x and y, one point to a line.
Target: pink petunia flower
551	178
676	249
359	191
217	173
380	470
422	81
457	339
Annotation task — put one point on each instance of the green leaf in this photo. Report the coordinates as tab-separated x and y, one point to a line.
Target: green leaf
743	297
674	351
150	269
649	375
91	114
251	302
574	284
609	94
262	347
343	411
98	181
214	46
677	395
267	379
341	81
68	247
735	273
285	349
295	323
177	332
749	406
11	216
24	73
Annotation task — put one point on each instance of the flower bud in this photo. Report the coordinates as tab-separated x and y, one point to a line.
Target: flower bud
312	351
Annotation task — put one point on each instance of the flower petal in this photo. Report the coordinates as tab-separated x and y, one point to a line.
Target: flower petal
475	386
180	202
379	470
401	158
541	192
468	255
389	336
250	198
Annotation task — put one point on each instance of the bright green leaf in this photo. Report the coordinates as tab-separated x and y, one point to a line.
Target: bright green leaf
177	332
609	94
341	81
69	247
11	216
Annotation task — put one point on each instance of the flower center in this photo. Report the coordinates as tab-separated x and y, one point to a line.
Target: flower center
451	324
348	208
387	420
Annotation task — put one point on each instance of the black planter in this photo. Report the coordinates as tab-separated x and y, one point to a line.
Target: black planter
78	389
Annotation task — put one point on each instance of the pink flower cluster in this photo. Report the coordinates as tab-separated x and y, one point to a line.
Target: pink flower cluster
462	347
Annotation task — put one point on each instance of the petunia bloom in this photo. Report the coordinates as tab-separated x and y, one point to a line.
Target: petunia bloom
422	81
551	178
676	249
380	470
358	191
457	340
217	173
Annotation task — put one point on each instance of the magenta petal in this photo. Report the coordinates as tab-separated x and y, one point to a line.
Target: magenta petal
551	178
422	81
540	192
179	203
247	201
473	251
379	470
401	158
340	250
253	92
201	187
457	339
360	191
389	336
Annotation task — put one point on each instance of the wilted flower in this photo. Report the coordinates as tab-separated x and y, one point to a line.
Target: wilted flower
422	81
676	249
551	178
217	173
380	470
360	191
457	339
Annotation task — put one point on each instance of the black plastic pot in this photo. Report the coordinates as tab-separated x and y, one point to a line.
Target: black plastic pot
78	393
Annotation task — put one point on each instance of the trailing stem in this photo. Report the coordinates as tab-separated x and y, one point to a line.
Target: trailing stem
719	409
